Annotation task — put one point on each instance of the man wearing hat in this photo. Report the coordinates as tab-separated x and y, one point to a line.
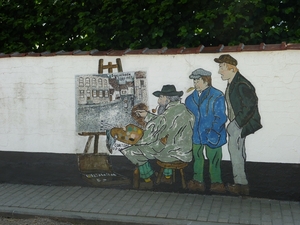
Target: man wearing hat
167	136
208	106
242	112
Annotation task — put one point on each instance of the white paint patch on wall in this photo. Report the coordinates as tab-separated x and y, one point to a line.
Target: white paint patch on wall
37	97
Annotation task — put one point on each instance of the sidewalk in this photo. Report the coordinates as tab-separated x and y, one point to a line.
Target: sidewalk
143	207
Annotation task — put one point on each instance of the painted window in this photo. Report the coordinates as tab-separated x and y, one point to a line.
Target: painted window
81	82
87	82
88	93
81	94
142	83
94	83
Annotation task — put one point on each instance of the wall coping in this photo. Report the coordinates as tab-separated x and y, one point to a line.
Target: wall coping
165	51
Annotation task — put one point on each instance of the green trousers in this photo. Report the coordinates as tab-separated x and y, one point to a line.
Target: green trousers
214	156
146	171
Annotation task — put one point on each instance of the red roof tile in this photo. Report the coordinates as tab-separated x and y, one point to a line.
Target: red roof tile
155	51
275	47
193	50
137	51
236	48
212	49
166	51
293	46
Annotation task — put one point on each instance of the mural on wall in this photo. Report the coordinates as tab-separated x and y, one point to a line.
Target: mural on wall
103	102
106	100
175	134
244	119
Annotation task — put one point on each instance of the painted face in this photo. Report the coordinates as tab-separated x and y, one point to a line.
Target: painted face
163	100
199	84
225	73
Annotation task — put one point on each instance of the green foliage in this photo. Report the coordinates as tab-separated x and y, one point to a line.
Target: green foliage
53	25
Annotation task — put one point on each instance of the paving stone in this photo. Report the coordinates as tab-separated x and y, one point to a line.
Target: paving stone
192	216
255	220
233	219
174	215
153	213
277	222
223	220
212	217
133	212
160	214
202	218
287	219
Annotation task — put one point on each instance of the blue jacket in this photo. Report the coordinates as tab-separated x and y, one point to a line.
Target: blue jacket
210	118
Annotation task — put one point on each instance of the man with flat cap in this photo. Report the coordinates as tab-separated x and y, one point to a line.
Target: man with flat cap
167	136
208	106
242	112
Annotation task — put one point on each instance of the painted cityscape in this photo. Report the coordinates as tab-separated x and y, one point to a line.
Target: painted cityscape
104	101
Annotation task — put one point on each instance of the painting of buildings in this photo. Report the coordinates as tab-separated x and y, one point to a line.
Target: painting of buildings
104	101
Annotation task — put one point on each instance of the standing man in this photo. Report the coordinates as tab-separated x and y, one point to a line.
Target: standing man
167	136
242	112
208	106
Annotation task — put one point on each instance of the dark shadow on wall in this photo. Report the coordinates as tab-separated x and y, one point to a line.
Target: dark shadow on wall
267	180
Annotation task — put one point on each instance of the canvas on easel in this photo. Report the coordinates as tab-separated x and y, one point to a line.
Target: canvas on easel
105	101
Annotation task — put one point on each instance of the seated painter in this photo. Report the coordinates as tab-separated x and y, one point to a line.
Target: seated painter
167	136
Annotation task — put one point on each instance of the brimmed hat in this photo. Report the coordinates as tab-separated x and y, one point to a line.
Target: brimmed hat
168	90
226	58
196	74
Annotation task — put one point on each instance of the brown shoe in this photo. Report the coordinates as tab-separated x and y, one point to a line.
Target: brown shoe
238	189
194	185
217	188
146	185
244	189
166	180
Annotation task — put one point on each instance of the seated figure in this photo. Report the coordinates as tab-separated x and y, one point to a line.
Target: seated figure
167	136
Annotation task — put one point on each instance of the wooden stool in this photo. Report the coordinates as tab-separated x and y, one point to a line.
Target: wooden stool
177	165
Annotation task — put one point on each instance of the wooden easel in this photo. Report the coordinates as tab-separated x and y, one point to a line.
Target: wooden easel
110	66
86	162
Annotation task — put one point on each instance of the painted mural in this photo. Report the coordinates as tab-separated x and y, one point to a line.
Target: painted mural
244	117
175	134
106	100
209	133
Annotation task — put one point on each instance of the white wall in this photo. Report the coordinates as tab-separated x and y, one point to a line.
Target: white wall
37	97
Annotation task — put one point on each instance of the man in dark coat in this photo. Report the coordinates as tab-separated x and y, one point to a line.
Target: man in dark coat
242	112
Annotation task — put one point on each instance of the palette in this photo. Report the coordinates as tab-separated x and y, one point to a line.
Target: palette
130	134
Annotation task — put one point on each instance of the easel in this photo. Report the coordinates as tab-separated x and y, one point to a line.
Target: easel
99	163
95	135
110	66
